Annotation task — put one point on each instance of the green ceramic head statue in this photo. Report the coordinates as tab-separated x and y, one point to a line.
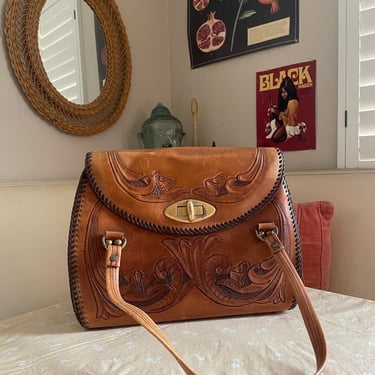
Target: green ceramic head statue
161	130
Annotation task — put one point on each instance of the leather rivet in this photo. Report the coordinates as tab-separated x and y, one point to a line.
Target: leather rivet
275	245
113	258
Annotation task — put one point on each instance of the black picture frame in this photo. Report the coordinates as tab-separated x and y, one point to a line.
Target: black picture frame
222	29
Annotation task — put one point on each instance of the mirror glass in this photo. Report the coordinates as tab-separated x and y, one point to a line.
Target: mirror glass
72	49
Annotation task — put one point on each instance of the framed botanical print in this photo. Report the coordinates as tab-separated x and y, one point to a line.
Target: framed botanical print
221	29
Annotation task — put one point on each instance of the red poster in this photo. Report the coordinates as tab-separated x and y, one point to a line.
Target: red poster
286	107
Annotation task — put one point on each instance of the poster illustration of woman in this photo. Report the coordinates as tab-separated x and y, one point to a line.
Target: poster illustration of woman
286	107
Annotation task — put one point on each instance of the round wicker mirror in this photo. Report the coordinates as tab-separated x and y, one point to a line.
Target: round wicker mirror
21	31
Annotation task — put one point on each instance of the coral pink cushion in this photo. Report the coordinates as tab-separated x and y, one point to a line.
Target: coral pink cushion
314	221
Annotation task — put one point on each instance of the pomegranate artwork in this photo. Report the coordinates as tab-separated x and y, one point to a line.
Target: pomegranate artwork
221	29
274	4
211	34
200	4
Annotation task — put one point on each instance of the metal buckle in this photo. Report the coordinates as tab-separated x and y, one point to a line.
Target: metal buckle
117	242
262	234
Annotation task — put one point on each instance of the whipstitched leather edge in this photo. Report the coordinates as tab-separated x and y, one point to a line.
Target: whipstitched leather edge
184	231
299	260
75	292
297	239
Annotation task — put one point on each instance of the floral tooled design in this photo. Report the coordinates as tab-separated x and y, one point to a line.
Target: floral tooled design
227	284
232	188
249	282
154	291
159	184
217	185
147	188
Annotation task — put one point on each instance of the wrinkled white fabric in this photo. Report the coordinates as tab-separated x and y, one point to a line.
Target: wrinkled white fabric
50	341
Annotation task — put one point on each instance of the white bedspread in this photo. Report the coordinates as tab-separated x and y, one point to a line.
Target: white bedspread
50	341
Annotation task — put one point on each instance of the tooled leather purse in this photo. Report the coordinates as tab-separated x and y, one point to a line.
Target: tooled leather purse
185	233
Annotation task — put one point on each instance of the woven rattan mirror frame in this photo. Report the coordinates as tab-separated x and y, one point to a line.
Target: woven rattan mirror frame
21	32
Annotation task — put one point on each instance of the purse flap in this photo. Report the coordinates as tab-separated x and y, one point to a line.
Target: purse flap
185	188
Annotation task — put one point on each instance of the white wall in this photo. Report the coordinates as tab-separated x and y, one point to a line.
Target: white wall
226	90
32	149
33	252
353	256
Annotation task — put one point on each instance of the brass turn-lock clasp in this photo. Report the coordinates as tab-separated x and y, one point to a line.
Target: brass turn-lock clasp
190	211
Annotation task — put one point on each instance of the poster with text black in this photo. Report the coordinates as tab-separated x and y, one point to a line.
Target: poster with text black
221	29
285	107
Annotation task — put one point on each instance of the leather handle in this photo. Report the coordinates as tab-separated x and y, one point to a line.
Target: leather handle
266	233
305	305
114	243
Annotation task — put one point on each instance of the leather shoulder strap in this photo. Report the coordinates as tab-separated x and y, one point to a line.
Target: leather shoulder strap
267	233
115	242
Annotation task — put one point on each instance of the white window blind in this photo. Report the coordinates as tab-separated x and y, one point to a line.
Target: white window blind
59	47
357	64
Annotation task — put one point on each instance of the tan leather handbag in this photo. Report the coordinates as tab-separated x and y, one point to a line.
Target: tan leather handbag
185	233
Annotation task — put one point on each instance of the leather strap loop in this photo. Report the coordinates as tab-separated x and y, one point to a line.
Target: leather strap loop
277	249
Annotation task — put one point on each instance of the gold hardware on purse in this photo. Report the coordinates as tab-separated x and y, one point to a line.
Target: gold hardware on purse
189	211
